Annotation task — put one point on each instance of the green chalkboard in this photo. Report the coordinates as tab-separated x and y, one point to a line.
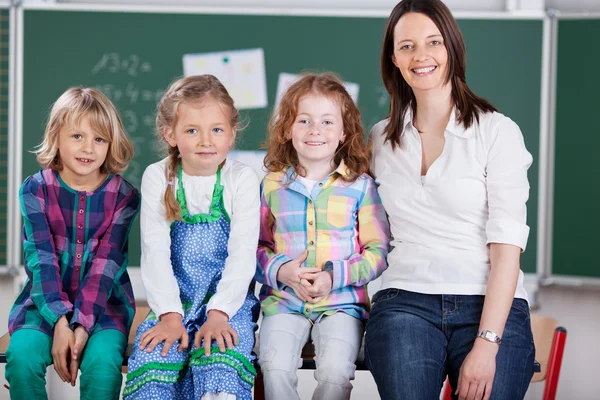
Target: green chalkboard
576	190
4	42
134	56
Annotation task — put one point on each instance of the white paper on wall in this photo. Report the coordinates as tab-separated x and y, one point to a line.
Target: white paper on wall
242	72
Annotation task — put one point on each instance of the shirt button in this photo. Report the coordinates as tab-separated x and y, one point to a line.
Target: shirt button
81	198
309	201
79	241
310	222
308	310
321	184
81	211
78	255
79	226
311	242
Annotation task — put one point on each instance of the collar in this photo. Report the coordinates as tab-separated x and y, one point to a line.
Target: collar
457	129
290	172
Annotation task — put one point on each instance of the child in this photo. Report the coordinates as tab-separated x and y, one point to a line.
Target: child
200	223
324	235
77	305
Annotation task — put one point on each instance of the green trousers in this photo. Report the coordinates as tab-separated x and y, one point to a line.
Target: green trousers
28	356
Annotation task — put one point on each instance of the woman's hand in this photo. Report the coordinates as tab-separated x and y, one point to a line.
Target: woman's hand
216	327
477	372
169	330
80	336
61	347
289	275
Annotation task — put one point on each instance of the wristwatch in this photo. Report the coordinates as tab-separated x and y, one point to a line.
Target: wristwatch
490	337
328	266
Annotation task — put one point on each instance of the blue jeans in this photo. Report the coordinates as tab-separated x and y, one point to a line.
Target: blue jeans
414	340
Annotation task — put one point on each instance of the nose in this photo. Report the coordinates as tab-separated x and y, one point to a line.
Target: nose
204	139
315	129
421	54
87	145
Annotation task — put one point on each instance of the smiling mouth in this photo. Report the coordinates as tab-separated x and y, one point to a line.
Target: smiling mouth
204	154
424	70
316	144
85	160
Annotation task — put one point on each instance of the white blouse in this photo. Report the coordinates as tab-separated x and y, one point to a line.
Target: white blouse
474	194
242	203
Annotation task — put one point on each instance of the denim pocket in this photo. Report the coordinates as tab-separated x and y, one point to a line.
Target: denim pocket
384	295
521	306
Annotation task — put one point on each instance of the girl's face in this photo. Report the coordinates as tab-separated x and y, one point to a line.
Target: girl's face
419	52
317	130
82	152
203	134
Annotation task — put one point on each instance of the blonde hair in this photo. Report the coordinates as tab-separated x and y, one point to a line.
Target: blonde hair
75	104
353	151
192	89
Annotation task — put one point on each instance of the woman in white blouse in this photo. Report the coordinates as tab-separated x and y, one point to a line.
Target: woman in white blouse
453	179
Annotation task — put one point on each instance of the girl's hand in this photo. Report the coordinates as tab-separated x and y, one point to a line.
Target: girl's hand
289	275
216	327
80	336
477	372
61	346
169	330
320	284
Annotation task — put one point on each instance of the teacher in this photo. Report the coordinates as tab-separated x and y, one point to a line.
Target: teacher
452	175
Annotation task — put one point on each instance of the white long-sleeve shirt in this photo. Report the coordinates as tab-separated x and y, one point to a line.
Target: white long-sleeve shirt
474	194
241	201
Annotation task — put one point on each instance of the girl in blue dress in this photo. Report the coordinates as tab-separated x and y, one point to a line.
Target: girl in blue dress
199	228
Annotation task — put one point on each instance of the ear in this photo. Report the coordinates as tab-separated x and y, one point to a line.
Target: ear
233	135
170	137
343	137
393	57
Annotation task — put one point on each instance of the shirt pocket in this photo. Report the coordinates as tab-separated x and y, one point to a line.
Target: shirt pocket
340	211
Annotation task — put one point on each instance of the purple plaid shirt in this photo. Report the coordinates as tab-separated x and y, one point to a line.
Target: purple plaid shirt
75	249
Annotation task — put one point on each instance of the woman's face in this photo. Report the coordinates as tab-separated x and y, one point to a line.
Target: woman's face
420	52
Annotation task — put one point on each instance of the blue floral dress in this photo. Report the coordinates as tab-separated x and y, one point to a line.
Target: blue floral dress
198	254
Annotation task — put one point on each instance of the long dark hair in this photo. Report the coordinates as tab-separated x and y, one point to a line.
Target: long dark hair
467	103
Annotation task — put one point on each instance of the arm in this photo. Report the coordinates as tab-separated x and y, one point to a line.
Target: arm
108	264
268	262
40	255
374	238
241	247
162	290
508	191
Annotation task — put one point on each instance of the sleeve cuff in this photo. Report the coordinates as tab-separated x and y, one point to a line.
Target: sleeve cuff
169	304
226	310
272	270
341	274
86	322
51	317
507	232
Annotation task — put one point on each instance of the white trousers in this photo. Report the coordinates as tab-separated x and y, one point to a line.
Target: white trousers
337	340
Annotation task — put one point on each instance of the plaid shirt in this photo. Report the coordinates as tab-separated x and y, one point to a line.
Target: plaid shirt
339	222
75	249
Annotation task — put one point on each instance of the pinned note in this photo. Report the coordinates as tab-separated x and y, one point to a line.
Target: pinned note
242	72
286	80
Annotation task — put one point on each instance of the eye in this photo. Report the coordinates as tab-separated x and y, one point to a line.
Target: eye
327	122
406	47
218	130
303	121
100	140
77	136
191	131
436	42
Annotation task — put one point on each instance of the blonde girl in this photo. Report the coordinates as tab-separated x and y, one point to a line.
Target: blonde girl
77	305
199	223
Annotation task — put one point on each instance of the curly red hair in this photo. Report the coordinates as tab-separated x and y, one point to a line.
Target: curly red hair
353	151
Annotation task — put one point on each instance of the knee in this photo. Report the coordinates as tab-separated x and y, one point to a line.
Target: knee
101	362
24	360
336	362
274	361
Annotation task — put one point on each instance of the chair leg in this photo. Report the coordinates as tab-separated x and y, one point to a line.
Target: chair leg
259	385
554	363
447	390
